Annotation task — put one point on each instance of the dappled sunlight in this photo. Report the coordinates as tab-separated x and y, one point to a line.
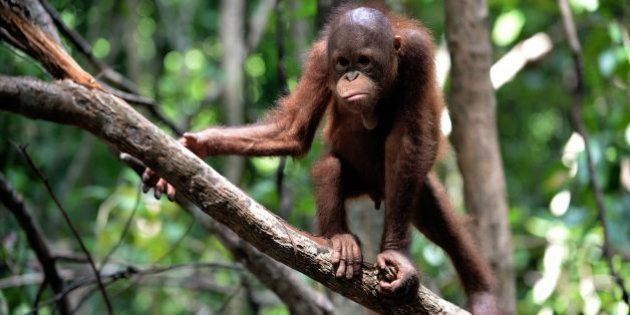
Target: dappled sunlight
442	63
523	181
507	27
560	203
446	125
592	303
572	150
588	5
555	254
510	64
148	228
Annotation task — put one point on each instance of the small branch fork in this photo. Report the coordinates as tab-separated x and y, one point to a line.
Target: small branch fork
577	123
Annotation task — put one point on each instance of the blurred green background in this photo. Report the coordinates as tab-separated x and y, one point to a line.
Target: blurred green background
173	51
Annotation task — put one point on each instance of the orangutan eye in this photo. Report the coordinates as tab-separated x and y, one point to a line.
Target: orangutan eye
364	60
342	62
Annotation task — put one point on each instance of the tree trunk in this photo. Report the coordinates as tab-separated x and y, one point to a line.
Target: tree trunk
473	110
232	37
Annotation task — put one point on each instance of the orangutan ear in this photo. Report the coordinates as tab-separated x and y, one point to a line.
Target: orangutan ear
397	42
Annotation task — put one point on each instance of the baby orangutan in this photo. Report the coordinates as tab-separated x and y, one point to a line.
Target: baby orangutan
373	74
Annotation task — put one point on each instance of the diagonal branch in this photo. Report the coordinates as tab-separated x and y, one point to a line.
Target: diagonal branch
297	296
41	47
73	229
125	230
114	121
36	240
85	49
284	194
18	29
578	125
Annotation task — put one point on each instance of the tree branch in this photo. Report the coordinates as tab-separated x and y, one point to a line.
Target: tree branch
36	240
472	105
115	122
297	295
73	229
130	91
126	273
578	126
57	61
284	194
41	47
38	15
85	49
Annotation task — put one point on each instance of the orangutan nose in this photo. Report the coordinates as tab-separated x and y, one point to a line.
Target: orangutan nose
350	76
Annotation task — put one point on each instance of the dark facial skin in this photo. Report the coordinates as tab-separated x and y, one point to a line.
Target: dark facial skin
362	58
373	74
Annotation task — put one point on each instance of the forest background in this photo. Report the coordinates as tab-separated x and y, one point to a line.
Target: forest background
211	62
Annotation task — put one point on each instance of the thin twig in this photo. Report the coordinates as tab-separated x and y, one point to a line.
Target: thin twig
284	196
86	297
71	258
177	243
5	36
130	91
166	254
125	229
40	292
37	241
135	274
229	299
66	217
86	49
578	125
132	271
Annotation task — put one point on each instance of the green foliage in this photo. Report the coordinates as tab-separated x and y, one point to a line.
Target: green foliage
172	50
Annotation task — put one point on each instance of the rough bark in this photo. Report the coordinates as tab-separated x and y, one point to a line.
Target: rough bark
307	300
104	71
115	122
39	45
296	294
473	111
281	280
41	18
